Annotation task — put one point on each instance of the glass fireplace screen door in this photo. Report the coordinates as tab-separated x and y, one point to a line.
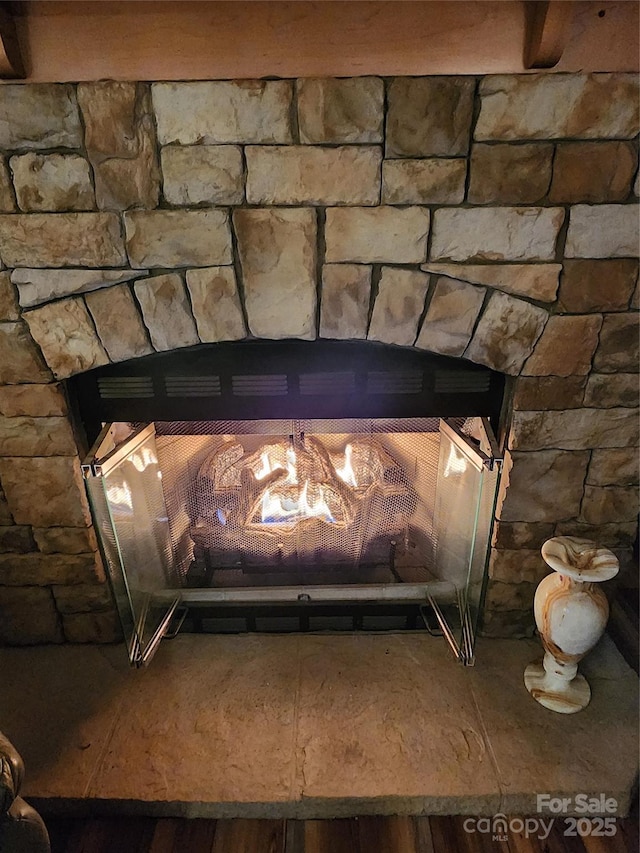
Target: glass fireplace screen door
468	477
124	484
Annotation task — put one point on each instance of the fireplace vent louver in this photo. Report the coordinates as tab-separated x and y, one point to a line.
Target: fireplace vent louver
460	382
260	385
192	386
327	383
125	387
394	382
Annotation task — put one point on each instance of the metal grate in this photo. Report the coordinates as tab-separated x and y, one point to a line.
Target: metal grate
125	387
327	383
394	382
192	386
260	385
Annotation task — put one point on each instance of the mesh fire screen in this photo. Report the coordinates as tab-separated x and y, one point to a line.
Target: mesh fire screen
279	503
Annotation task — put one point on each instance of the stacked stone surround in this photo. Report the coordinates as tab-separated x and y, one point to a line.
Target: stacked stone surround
490	218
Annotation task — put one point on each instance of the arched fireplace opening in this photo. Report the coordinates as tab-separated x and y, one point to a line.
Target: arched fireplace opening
293	485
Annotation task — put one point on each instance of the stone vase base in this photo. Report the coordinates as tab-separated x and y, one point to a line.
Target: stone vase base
564	697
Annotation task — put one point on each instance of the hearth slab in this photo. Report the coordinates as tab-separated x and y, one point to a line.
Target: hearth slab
307	726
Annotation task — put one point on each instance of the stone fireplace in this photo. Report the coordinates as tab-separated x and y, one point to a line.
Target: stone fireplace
490	219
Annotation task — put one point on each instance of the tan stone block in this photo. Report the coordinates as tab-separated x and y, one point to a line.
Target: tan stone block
597	285
519	534
429	116
618	349
346	294
82	598
38	286
45	491
614	467
178	238
28	616
305	174
118	323
243	111
16	539
67	337
20	358
566	346
44	115
277	251
506	334
553	106
398	306
610	504
46	569
61	240
27	436
546	486
518	566
510	174
549	392
65	540
9	309
166	312
202	174
593	171
120	140
609	535
536	281
496	234
340	110
575	429
7	197
423	181
55	182
101	627
451	317
603	231
216	304
36	401
509	596
605	390
377	235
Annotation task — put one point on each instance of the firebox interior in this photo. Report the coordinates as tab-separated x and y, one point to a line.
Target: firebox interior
294	512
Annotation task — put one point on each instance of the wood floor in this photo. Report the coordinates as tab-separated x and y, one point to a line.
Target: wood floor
353	835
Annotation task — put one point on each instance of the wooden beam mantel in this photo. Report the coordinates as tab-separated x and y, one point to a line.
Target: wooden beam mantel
546	31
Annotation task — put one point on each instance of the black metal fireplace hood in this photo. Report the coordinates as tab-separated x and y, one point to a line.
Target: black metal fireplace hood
249	380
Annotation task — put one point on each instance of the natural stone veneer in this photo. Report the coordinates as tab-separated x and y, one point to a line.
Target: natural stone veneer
384	214
377	235
216	304
224	111
177	238
340	110
582	106
313	175
277	250
67	337
498	234
397	309
61	240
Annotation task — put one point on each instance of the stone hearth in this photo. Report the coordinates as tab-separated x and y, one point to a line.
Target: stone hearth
494	219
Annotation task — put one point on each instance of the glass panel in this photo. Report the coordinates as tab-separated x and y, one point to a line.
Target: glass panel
130	513
465	499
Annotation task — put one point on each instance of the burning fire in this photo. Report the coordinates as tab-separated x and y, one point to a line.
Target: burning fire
283	504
